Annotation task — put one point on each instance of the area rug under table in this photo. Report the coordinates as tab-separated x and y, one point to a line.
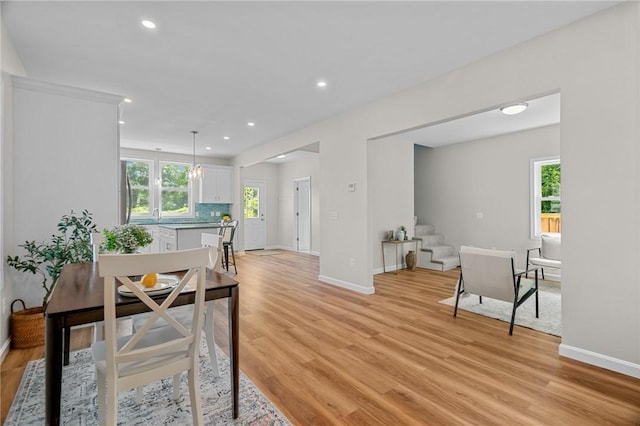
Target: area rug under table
550	320
80	406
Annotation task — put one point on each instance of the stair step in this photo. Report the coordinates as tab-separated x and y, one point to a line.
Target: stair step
432	240
438	252
449	262
421	230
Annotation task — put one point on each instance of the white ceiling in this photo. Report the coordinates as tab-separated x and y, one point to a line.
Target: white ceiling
542	111
214	66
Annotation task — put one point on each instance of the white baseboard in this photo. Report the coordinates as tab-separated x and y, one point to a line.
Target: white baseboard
599	360
347	285
4	349
391	268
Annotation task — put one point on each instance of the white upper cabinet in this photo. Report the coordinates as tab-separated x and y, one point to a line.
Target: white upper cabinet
217	185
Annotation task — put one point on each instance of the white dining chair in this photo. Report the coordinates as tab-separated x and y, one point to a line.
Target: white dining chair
149	354
183	313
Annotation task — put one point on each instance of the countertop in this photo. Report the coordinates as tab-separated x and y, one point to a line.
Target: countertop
189	225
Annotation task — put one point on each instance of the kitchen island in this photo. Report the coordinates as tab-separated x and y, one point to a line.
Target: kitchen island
182	236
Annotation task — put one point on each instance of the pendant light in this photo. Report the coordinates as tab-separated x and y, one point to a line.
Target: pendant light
196	171
158	175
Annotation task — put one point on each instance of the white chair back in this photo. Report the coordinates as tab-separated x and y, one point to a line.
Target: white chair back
151	354
214	242
550	246
488	272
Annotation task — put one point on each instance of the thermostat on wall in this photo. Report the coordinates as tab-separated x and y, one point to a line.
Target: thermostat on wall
352	187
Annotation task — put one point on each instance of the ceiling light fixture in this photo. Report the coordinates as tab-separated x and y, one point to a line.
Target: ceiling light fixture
251	124
514	109
196	171
281	156
148	24
120	122
127	100
321	84
158	178
208	148
226	138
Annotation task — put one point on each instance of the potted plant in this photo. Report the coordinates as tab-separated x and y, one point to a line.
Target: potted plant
126	238
72	244
401	233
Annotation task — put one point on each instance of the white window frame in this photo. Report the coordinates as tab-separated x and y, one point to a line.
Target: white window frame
190	191
151	188
536	192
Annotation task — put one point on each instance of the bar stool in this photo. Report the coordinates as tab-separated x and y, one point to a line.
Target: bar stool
228	233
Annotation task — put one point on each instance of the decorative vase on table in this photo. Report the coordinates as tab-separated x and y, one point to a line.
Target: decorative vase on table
399	235
411	260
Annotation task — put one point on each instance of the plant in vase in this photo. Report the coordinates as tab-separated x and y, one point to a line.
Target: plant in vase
71	245
125	238
401	233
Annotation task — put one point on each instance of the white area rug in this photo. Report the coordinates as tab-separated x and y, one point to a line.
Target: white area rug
550	320
79	403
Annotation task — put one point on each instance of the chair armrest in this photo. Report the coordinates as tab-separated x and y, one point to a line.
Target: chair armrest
519	273
529	251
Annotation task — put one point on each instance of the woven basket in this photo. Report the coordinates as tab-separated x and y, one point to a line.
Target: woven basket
27	326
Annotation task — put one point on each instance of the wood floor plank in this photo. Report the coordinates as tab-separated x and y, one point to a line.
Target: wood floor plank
329	356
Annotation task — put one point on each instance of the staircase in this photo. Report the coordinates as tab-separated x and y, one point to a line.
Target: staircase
433	253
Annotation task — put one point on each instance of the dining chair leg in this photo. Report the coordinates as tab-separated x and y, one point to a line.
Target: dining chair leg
101	398
211	343
176	386
194	394
233	256
226	257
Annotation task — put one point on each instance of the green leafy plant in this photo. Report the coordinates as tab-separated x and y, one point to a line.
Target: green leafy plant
125	238
72	244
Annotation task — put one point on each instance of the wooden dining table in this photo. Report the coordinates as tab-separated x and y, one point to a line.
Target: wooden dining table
78	298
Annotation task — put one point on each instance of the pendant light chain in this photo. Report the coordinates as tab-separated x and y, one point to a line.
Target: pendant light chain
197	171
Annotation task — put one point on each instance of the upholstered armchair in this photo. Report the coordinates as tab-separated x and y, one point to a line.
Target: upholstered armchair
548	255
492	273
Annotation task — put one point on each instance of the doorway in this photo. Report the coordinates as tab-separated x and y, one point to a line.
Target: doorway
302	214
255	214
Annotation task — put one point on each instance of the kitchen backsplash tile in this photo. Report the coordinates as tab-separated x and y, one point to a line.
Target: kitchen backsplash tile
205	212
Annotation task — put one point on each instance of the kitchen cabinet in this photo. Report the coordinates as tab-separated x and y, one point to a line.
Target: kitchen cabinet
217	185
154	247
183	237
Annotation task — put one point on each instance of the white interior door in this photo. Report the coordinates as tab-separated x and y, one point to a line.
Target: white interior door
255	215
302	213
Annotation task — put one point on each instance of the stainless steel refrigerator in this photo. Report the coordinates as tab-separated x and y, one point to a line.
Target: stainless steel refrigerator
125	194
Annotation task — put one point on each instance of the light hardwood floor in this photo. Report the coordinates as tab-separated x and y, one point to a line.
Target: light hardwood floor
328	356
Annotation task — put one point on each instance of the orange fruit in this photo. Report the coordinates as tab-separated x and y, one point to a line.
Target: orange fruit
149	280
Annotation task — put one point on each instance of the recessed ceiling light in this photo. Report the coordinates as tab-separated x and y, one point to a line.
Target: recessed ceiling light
226	138
251	124
208	148
281	156
321	83
514	109
120	122
127	100
148	24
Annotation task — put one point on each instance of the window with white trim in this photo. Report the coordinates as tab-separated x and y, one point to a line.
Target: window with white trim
545	197
139	173
175	190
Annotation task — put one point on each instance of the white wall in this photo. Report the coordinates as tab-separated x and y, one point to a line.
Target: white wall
594	63
65	158
170	156
391	196
308	166
9	64
489	176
